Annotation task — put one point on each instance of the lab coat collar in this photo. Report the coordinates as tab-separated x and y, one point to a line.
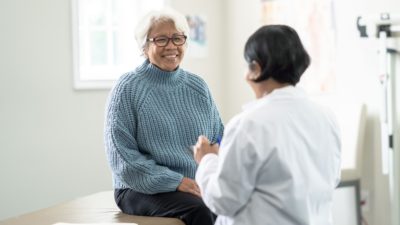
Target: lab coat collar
285	92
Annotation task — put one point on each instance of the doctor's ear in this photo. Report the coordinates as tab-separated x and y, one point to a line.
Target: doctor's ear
254	70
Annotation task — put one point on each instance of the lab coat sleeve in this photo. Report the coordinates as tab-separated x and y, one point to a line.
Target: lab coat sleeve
227	180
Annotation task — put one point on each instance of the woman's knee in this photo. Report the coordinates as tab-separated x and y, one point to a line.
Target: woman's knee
199	214
202	209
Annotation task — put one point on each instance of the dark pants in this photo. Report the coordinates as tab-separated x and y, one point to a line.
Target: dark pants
184	206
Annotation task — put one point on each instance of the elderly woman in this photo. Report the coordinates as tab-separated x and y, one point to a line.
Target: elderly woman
279	160
154	114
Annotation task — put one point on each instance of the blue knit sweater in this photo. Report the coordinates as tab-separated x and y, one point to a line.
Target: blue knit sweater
152	119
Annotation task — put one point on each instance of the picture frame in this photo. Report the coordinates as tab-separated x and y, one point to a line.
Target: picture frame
347	203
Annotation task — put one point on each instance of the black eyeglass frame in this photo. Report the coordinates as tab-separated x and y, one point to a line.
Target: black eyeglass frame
154	40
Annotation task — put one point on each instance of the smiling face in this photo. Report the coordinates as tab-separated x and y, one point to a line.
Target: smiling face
169	57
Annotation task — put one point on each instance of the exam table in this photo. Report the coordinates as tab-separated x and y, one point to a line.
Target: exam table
95	208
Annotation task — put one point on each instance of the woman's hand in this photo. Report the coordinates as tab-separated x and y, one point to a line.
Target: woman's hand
190	186
204	147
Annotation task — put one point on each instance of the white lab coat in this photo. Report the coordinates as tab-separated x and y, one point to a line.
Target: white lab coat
279	163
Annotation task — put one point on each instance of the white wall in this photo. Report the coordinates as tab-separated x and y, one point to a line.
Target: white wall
358	73
243	19
50	135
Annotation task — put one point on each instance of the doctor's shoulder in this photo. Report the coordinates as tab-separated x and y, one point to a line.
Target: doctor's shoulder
244	121
330	116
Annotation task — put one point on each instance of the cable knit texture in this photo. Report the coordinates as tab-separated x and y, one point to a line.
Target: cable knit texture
152	119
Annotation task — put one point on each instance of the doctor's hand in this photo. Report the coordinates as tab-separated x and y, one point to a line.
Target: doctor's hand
204	147
190	186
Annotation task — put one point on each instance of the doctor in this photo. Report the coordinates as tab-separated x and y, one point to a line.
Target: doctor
279	160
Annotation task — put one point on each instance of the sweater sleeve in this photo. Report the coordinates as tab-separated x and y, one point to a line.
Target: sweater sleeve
129	166
201	88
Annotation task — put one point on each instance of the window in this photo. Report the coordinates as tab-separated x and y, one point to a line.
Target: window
104	45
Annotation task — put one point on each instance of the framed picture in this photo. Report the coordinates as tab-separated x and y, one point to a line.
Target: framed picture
197	47
314	20
347	203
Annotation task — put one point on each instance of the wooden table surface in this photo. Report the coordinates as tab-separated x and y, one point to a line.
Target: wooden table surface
96	208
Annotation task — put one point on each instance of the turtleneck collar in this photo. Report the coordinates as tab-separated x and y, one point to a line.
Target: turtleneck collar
161	77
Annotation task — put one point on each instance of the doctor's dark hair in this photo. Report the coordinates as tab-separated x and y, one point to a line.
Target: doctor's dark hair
279	52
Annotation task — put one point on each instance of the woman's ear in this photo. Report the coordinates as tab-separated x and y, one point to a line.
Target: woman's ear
144	53
145	50
254	71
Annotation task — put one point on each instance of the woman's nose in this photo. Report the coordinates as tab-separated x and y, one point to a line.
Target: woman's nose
170	44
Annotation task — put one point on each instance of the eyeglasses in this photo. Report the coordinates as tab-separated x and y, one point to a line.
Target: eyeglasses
163	41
